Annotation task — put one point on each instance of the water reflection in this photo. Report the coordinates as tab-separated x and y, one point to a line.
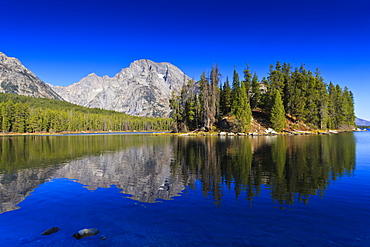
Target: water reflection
139	165
150	168
292	168
143	172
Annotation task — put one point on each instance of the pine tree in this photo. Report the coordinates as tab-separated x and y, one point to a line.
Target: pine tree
256	92
288	87
298	104
348	109
322	100
276	79
247	80
190	106
235	91
242	110
277	116
204	99
214	96
340	108
176	114
8	116
275	82
351	116
265	97
225	98
312	101
21	113
175	107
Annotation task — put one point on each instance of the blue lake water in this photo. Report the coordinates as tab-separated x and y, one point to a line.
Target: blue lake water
142	190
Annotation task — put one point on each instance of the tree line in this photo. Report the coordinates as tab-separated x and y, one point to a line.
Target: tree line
299	94
22	114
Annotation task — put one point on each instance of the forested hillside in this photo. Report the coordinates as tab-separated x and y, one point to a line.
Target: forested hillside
299	94
24	114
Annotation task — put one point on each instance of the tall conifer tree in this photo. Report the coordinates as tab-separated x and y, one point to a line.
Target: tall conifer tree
235	91
256	92
225	98
247	80
277	116
242	110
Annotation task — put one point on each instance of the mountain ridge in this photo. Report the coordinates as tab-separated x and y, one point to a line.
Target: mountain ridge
362	122
15	78
142	89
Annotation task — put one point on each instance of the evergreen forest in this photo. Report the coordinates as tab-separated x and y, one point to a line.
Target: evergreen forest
23	114
298	94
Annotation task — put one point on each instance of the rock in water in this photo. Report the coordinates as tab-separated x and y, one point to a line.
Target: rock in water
50	231
85	233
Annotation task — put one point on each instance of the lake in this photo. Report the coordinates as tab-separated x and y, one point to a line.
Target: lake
145	190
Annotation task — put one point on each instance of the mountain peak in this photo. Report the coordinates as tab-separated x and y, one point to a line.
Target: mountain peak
92	75
5	59
17	79
142	89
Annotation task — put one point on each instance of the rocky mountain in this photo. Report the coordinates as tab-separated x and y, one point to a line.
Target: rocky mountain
142	89
17	79
362	122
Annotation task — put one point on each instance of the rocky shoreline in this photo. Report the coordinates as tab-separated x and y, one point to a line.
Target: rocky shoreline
268	132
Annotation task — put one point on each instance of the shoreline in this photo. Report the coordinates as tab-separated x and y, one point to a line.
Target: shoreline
284	132
63	133
192	133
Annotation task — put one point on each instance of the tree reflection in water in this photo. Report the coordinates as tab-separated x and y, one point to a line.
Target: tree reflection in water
152	168
292	167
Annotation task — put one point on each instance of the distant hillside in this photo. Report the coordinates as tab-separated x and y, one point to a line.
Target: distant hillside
362	122
24	114
57	105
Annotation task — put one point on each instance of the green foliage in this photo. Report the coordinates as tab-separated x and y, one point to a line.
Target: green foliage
247	80
256	92
234	92
302	94
225	98
197	106
242	109
23	114
277	117
307	98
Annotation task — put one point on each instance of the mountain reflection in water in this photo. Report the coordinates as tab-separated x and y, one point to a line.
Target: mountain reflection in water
155	168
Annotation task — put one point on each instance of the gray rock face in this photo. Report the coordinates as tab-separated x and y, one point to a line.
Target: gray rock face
362	122
143	89
17	79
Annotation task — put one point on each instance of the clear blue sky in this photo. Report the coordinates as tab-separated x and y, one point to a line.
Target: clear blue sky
63	41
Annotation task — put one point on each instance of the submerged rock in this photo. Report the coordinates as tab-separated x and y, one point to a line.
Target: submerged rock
50	231
86	233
